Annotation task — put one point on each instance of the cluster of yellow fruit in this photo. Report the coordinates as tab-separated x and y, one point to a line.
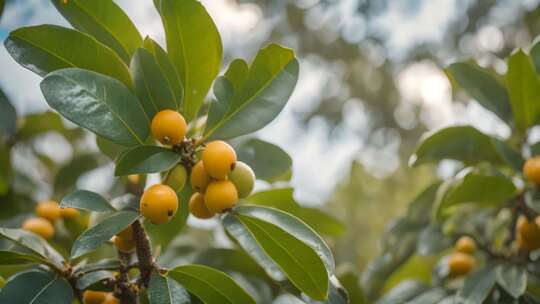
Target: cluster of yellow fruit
99	297
124	241
528	233
462	261
48	212
218	179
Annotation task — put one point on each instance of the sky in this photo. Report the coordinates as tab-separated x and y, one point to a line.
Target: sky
318	165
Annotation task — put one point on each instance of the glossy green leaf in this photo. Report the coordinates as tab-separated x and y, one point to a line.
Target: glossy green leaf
322	222
146	159
93	280
308	274
476	287
351	282
102	232
34	243
513	279
465	189
167	68
431	241
231	260
512	157
237	73
46	48
68	174
267	88
33	125
435	295
483	87
109	148
105	21
267	160
163	290
5	169
403	292
462	143
209	285
98	103
8	118
151	85
36	287
195	48
86	200
524	89
17	258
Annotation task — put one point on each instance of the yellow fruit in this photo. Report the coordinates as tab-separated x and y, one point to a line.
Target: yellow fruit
176	178
220	196
168	127
94	297
528	233
111	299
39	226
219	159
126	234
123	245
49	210
199	178
134	178
465	244
69	213
197	207
531	169
243	179
460	263
159	204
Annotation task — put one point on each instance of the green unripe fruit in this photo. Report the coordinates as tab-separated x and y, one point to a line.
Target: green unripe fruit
243	179
176	178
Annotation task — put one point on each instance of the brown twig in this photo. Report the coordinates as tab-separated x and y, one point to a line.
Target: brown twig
144	253
125	290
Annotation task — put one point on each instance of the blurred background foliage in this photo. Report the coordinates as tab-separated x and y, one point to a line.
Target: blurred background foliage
372	82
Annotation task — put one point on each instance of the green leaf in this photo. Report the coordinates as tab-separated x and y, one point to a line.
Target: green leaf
105	21
351	282
209	285
512	157
524	89
98	103
102	232
267	160
17	258
163	290
308	274
462	143
109	148
146	159
36	286
267	88
483	87
86	200
93	280
151	85
322	222
464	189
5	169
293	226
46	48
237	73
33	125
476	287
167	68
195	48
8	118
403	292
431	241
513	279
67	175
33	243
435	295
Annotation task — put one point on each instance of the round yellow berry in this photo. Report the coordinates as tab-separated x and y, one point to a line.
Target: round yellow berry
49	210
126	234
198	208
465	244
123	245
219	159
94	297
460	263
243	179
168	127
111	299
220	196
69	213
39	226
199	178
159	204
528	234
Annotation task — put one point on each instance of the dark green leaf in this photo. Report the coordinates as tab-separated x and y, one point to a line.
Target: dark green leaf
36	287
17	258
535	56
403	292
209	285
109	148
33	243
67	176
167	68
146	159
93	278
224	92
483	87
462	143
46	48
8	118
86	200
237	73
151	85
267	88
524	89
512	157
267	160
431	241
513	279
98	103
476	287
5	169
194	46
94	237
163	290
105	21
351	282
435	295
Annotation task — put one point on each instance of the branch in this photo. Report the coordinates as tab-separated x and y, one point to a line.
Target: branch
144	253
126	291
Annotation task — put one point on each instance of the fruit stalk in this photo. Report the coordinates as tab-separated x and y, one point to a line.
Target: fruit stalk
144	253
